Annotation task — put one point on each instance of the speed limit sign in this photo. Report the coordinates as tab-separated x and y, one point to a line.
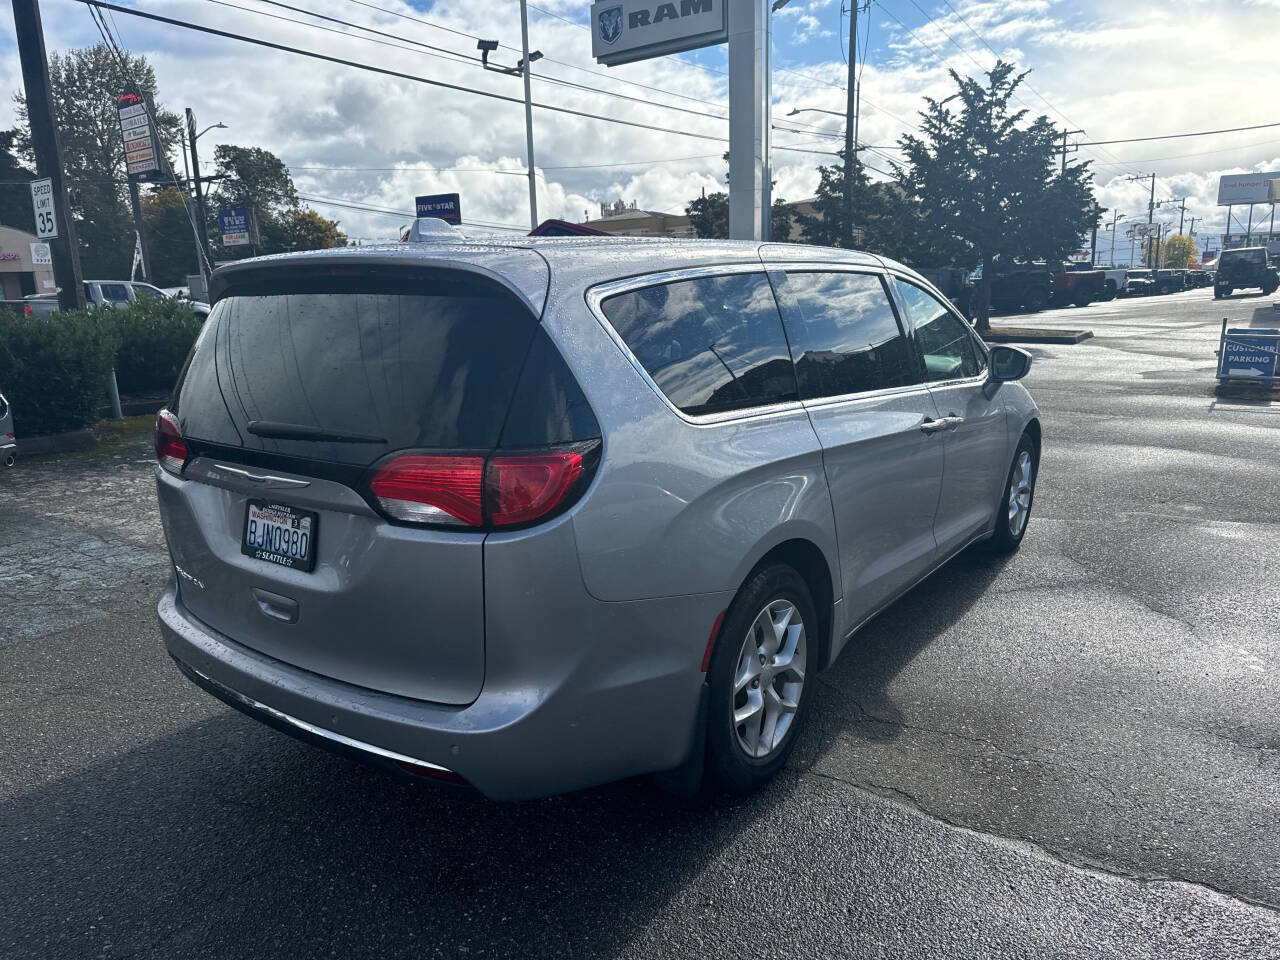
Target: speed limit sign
42	205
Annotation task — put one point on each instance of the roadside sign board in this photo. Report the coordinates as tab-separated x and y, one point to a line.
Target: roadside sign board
1249	354
234	224
623	31
1245	188
42	206
141	154
41	255
444	206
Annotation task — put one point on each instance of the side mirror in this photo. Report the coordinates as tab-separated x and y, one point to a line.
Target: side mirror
1008	363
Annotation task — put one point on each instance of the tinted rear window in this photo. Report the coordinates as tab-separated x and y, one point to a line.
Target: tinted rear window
425	361
710	344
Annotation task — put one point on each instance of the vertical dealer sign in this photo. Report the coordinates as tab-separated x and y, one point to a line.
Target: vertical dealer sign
141	151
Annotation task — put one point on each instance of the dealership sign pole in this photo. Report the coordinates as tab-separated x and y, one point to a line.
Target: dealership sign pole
624	31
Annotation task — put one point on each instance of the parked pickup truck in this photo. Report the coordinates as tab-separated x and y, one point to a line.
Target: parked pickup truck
1080	285
1019	288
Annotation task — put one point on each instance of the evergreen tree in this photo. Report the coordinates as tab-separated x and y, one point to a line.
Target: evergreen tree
988	185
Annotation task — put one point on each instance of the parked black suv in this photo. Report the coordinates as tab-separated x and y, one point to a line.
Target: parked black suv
1245	267
1020	288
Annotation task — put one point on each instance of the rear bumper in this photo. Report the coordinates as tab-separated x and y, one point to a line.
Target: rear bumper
623	707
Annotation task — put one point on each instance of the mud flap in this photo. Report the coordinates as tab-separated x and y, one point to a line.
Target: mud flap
686	779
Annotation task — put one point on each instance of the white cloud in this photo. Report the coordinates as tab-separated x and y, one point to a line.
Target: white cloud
1141	69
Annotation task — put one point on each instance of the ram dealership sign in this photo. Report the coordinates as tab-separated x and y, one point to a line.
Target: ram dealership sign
623	31
1247	188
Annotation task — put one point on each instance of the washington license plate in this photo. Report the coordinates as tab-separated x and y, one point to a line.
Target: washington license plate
280	534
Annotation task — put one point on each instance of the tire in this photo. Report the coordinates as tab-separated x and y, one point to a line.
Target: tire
1082	298
1110	293
1219	292
1034	302
1008	534
1269	289
742	757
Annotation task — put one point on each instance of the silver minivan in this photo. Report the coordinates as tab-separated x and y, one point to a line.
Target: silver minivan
539	514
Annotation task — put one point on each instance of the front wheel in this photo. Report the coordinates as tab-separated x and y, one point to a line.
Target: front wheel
1035	301
1019	492
1082	298
766	649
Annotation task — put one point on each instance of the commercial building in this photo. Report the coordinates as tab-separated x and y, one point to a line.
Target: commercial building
25	267
627	220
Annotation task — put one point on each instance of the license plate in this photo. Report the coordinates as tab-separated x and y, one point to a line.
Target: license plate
280	534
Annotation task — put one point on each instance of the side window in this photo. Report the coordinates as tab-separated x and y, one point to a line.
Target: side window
844	334
711	343
115	292
144	292
944	339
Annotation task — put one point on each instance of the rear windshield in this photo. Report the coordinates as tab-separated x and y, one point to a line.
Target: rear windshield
364	365
1244	256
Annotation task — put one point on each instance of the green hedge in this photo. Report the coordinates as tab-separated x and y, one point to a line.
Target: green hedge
54	367
155	338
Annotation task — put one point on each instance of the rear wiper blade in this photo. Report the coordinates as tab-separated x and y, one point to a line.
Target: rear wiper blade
274	430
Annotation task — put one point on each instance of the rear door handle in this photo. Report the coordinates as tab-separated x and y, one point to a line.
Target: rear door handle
953	422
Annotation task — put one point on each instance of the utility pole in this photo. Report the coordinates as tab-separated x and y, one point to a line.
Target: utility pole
528	114
1182	206
1192	231
1065	134
206	259
1151	207
143	242
851	113
48	149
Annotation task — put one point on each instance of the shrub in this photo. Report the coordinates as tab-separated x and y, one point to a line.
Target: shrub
54	368
155	338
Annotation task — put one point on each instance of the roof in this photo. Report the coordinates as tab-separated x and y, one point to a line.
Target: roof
528	263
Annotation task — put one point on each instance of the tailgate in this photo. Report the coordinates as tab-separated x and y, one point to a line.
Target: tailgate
385	607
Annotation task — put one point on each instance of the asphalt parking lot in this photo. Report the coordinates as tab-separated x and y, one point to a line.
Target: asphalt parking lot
1072	752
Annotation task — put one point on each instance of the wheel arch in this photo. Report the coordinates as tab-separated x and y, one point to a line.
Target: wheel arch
807	559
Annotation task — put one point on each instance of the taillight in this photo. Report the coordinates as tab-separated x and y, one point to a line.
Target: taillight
503	490
524	487
431	489
171	449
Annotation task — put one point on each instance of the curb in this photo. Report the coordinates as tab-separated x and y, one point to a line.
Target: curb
68	442
1067	337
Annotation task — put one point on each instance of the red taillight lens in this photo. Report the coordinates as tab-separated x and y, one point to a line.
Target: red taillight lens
504	490
524	487
431	489
171	449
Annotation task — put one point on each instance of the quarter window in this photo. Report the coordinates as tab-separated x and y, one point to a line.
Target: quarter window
944	339
844	334
710	344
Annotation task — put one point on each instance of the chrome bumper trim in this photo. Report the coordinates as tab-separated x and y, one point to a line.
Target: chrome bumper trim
312	729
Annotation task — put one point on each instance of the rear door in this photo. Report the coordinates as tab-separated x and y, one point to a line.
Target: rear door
976	444
299	383
860	381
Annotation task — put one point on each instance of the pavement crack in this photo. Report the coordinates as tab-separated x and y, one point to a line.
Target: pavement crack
1028	847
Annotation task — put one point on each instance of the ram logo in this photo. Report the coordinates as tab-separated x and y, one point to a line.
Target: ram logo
610	24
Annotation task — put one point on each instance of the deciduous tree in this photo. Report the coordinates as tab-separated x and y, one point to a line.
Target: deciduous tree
86	84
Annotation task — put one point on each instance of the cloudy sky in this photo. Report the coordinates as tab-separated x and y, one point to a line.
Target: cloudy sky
1116	71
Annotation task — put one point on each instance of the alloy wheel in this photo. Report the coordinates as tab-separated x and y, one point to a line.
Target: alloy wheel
769	679
1020	493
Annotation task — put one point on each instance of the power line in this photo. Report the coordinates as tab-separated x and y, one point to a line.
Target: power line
1201	153
1179	136
200	28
